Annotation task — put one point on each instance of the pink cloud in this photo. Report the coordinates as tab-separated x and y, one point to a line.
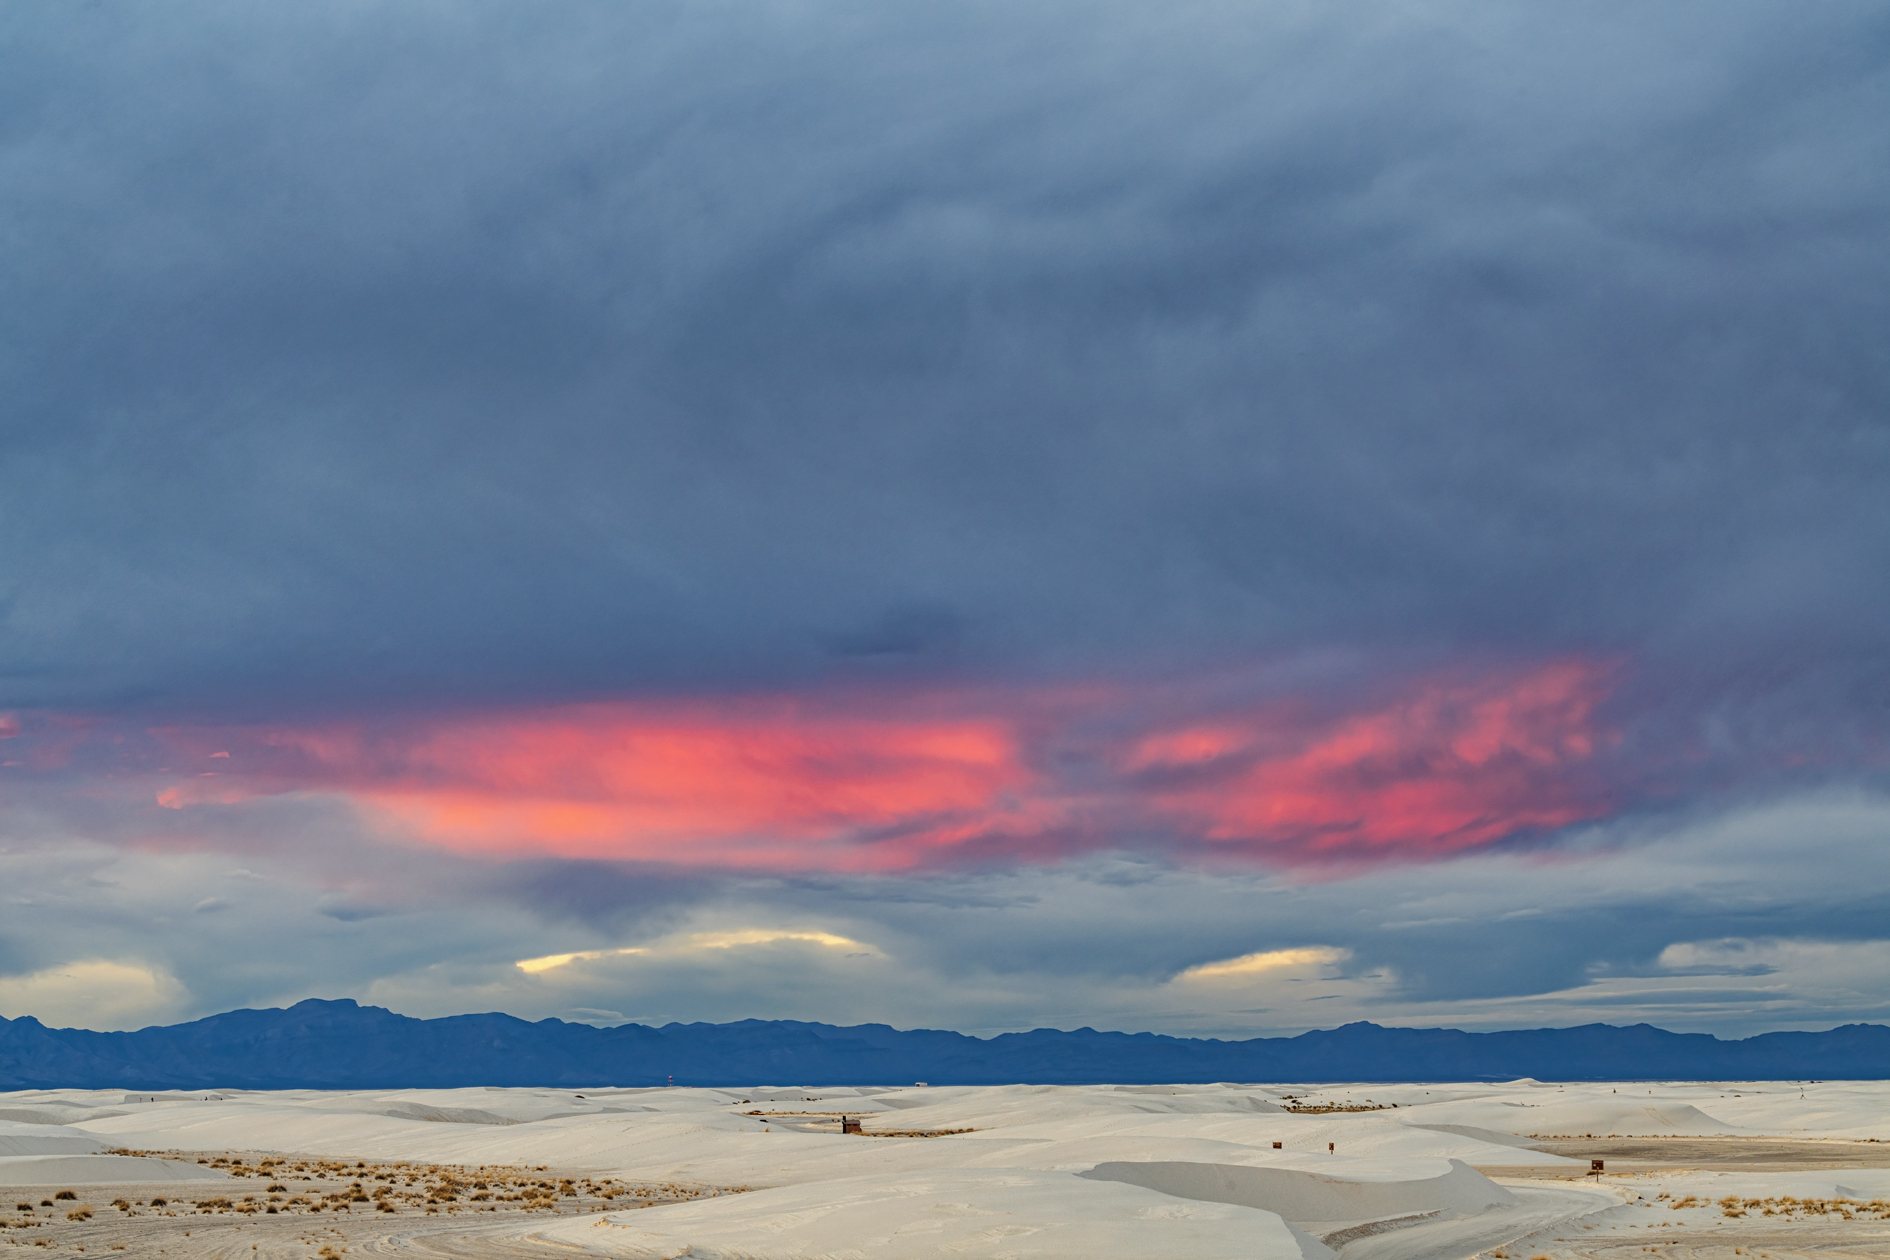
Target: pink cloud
730	788
1448	763
857	780
766	781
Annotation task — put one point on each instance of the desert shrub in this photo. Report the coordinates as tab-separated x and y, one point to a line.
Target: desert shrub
65	1194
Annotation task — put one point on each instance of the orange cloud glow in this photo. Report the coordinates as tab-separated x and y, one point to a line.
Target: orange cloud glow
738	783
875	782
736	789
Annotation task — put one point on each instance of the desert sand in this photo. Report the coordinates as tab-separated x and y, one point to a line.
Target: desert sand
1770	1169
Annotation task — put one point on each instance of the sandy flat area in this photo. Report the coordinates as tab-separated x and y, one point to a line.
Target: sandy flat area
229	1216
1192	1172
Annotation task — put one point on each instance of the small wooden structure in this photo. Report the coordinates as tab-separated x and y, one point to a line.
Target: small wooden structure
849	1125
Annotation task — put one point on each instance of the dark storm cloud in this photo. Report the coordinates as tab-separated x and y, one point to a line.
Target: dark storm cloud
480	352
609	897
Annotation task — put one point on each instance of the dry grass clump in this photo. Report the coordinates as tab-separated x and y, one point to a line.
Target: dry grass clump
27	1221
431	1189
1732	1206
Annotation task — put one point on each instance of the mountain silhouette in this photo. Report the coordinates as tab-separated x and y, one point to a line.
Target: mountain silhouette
320	1044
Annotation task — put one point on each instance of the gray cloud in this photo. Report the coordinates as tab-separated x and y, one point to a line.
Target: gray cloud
1734	922
390	349
369	356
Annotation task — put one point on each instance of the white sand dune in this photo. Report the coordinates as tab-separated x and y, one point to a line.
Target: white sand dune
95	1170
1102	1171
1016	1214
1316	1201
1648	1117
46	1139
1491	1136
49	1114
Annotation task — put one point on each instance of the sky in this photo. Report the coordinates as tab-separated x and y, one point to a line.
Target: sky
1213	518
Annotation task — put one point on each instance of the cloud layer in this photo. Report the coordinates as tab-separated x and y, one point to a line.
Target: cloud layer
1736	922
383	350
888	778
1020	489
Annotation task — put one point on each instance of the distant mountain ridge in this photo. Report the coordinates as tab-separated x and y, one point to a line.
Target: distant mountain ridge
341	1045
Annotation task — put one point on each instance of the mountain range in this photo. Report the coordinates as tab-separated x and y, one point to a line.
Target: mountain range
343	1045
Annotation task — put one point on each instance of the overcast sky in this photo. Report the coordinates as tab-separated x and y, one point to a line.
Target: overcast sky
1206	517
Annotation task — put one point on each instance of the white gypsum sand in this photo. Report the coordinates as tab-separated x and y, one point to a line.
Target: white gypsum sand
1192	1171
